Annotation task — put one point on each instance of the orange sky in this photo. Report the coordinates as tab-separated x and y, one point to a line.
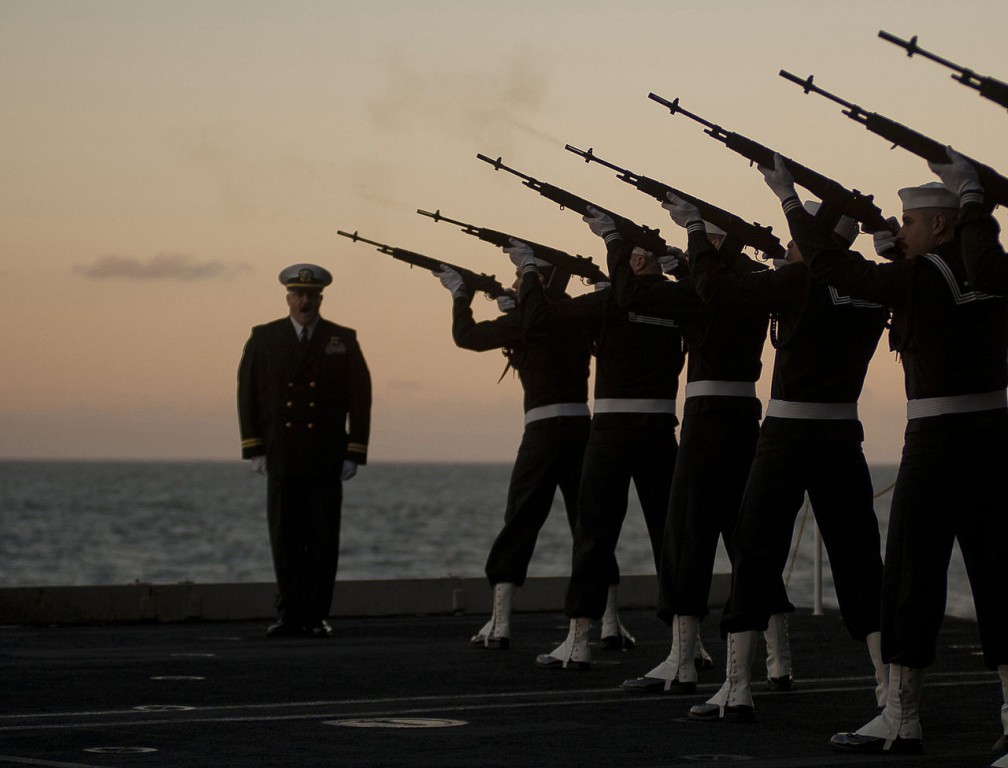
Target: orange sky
162	162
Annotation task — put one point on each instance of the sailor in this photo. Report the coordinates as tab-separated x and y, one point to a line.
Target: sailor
809	442
949	328
632	437
720	425
553	367
304	410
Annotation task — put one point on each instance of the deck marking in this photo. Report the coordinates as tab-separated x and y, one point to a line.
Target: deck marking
121	750
397	722
46	763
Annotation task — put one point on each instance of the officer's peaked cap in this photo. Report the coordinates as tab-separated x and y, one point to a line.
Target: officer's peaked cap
305	276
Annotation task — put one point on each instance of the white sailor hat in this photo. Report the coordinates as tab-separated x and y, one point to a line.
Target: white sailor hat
934	194
714	229
305	276
847	228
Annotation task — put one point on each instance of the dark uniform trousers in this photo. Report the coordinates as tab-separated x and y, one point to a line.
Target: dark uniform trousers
716	446
548	458
950	486
303	514
621	447
788	463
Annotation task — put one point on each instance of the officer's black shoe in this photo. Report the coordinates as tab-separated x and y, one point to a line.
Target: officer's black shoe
731	714
855	742
622	641
283	629
783	683
545	661
318	630
657	685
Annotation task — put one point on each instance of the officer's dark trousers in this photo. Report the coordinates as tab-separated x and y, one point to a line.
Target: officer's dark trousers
620	447
716	445
951	486
825	459
303	512
549	457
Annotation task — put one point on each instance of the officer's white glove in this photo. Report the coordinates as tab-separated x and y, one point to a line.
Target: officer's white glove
670	260
599	223
779	178
958	174
258	464
521	254
682	213
349	469
451	280
886	244
506	302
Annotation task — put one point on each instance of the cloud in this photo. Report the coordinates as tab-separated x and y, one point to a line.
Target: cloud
164	266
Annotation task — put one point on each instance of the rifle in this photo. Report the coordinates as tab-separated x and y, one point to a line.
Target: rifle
737	229
640	235
995	185
582	266
989	87
858	206
474	280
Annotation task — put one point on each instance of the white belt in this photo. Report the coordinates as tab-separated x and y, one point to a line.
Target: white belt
923	407
634	405
557	409
720	389
792	409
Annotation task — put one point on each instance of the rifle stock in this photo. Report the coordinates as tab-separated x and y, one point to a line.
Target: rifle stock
853	203
581	266
640	235
990	88
746	234
995	185
476	281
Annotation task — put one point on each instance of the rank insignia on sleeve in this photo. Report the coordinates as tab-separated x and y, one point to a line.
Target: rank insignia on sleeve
335	346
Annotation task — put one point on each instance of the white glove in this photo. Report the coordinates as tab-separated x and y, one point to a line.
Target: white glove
886	244
506	302
682	213
670	261
779	178
599	223
958	174
520	254
349	469
258	464
451	280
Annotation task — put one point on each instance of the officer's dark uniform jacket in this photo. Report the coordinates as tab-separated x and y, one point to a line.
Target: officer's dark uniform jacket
553	366
719	430
952	339
294	407
638	361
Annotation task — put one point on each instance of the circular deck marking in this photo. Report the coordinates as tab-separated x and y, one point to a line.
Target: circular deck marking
121	750
397	722
163	708
178	677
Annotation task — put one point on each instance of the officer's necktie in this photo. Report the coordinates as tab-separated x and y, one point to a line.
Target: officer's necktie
303	338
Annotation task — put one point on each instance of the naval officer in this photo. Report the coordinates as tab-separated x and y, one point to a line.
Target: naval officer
304	411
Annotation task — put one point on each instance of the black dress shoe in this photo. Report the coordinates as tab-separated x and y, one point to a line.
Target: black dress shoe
545	661
657	685
624	641
490	643
783	683
855	742
283	629
318	630
731	714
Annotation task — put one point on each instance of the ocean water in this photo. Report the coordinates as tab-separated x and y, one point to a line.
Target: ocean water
83	523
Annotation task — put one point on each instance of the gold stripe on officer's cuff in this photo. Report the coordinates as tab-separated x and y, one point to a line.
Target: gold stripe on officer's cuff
357	447
251	442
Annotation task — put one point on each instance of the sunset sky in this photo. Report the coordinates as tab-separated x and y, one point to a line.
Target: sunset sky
162	161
